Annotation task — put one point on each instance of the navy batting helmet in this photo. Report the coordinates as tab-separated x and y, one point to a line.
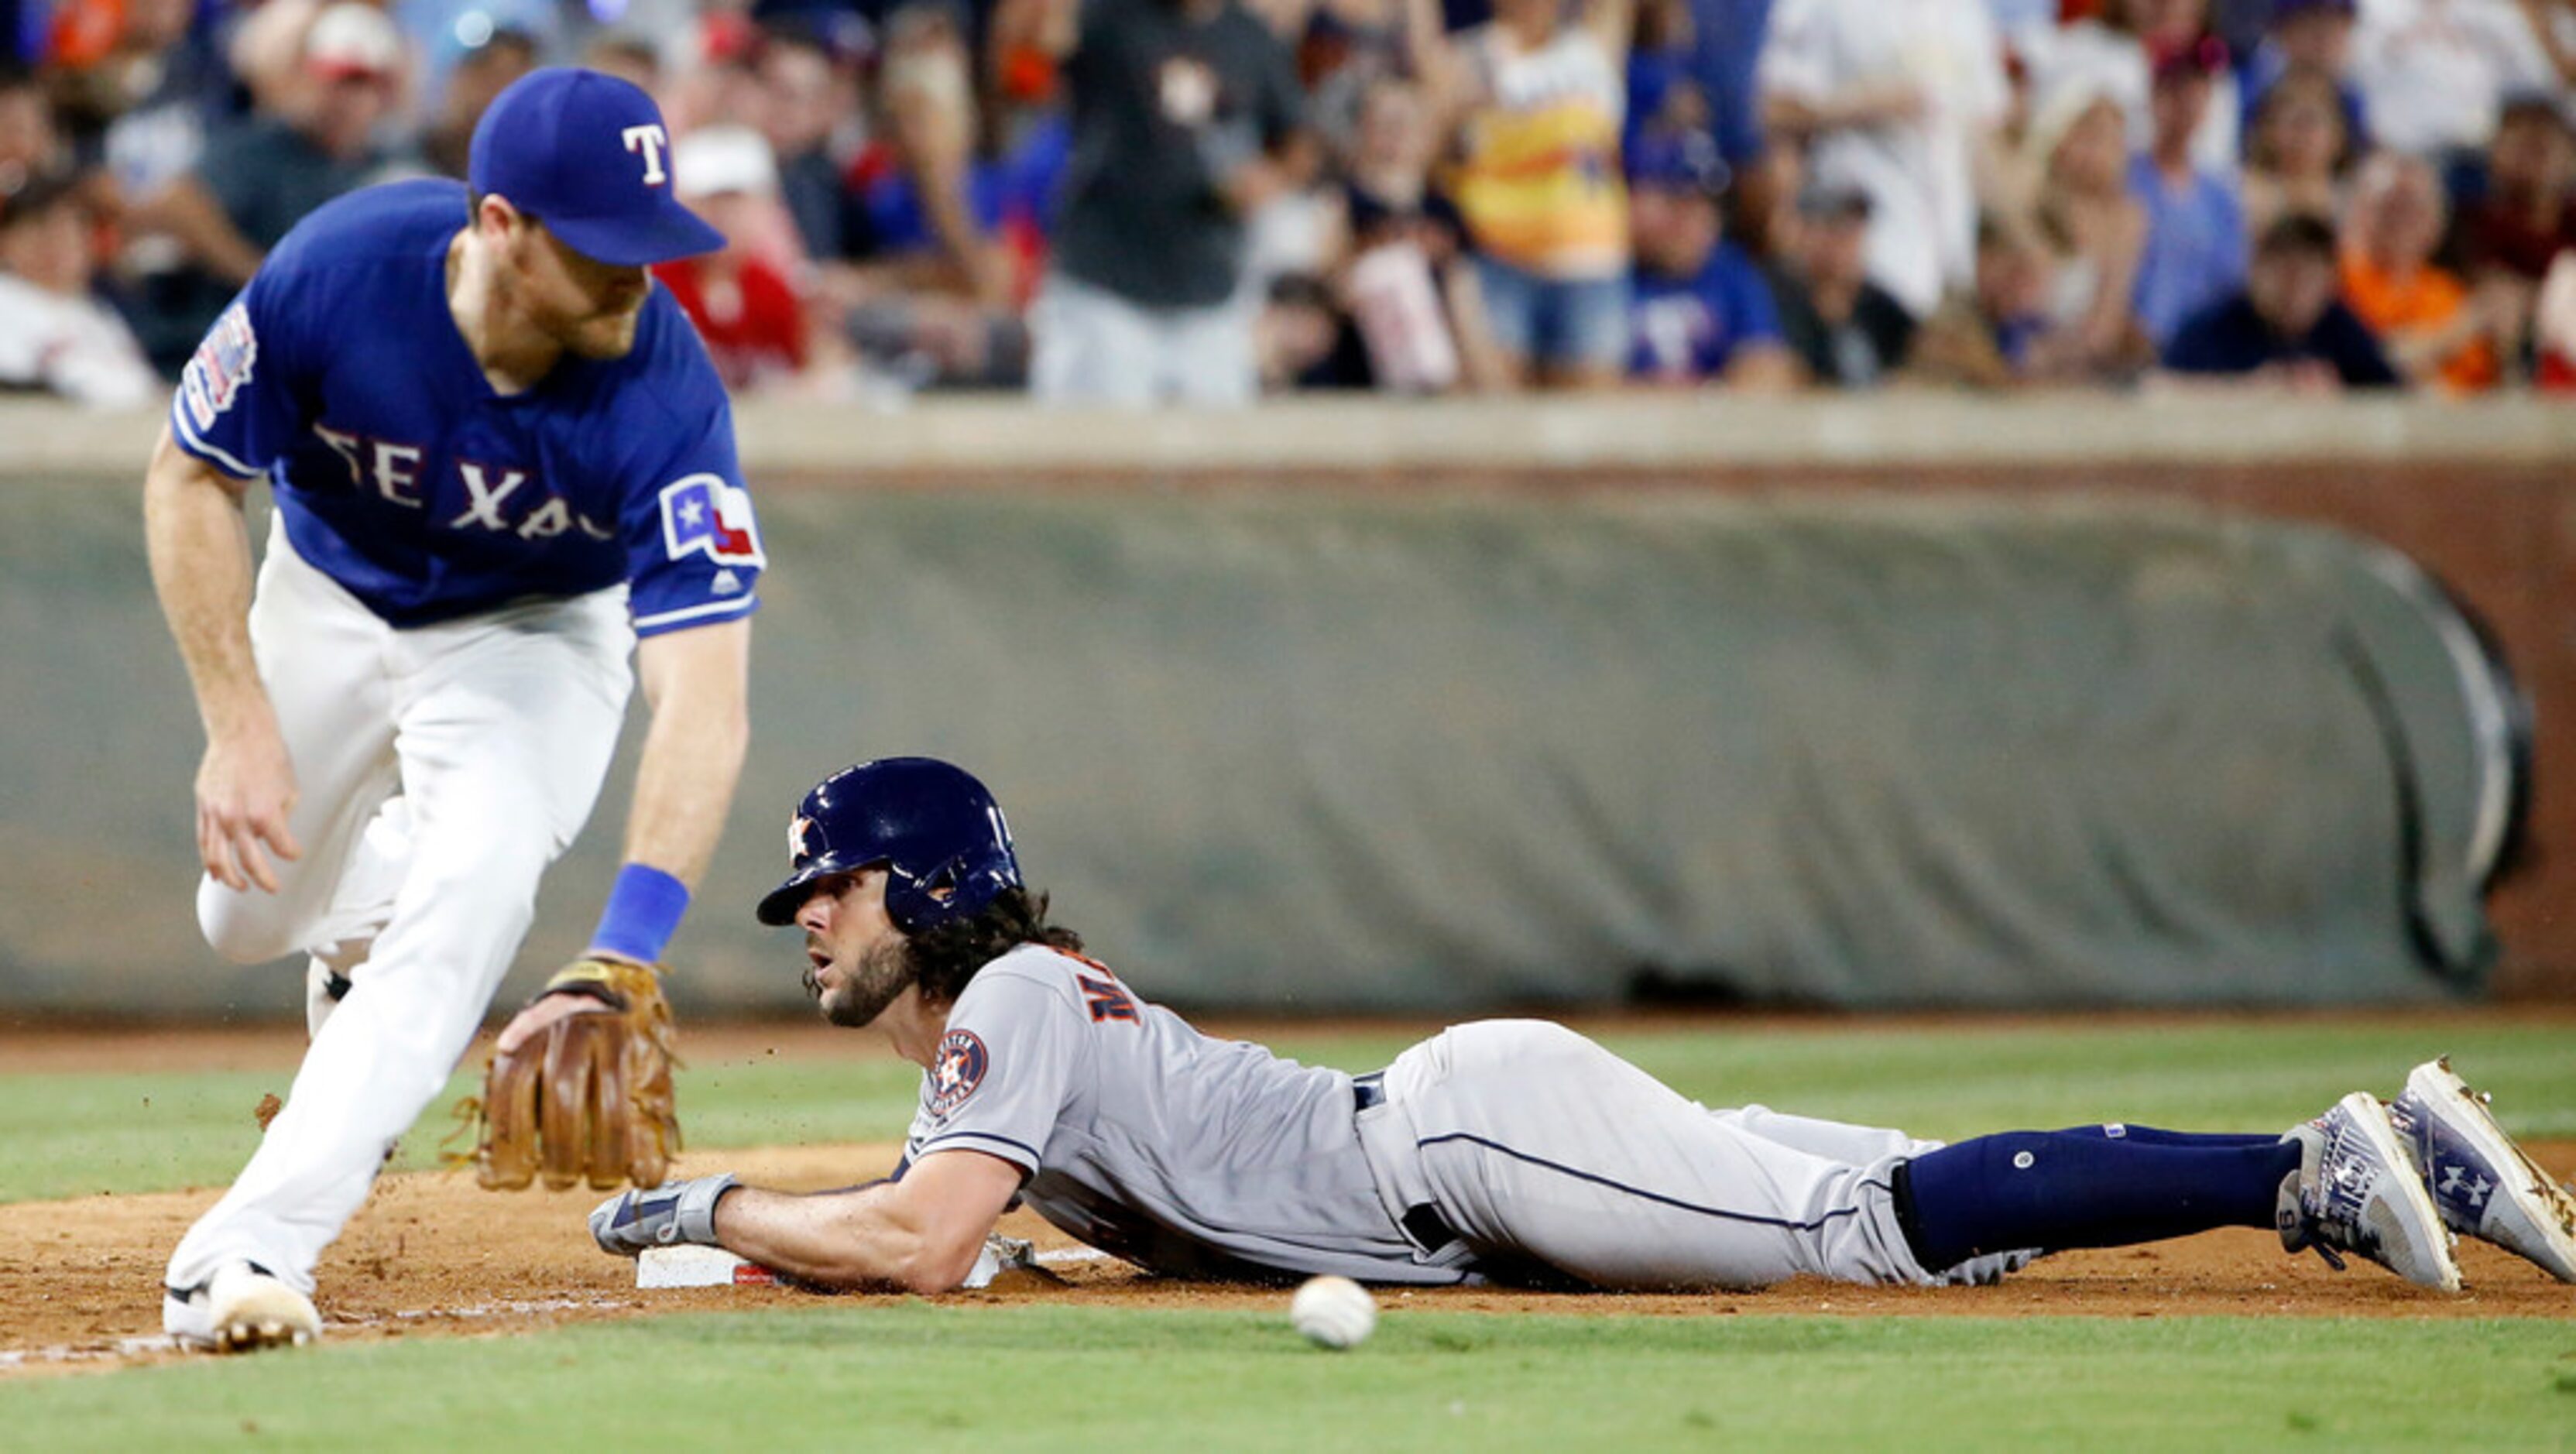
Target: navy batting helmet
938	833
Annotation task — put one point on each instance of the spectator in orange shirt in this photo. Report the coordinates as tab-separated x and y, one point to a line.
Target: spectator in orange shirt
746	311
2435	329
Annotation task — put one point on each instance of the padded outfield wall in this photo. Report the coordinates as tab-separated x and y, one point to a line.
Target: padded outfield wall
1888	703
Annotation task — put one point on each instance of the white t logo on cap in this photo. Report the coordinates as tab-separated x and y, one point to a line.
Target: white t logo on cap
649	140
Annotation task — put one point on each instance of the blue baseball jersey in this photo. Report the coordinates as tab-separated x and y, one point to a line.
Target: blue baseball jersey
339	376
1691	328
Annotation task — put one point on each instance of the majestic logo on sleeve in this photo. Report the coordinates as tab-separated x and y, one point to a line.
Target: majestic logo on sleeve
221	367
703	515
956	1070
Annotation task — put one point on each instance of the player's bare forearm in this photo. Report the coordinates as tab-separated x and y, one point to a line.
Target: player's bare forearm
839	1239
697	683
199	546
921	1234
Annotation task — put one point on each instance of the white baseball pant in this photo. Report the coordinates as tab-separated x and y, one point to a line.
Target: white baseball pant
1534	1143
496	731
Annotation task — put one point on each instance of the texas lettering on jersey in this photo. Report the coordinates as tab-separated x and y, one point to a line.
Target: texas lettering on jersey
404	477
497	498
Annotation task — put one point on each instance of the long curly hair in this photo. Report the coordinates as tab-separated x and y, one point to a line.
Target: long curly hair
945	959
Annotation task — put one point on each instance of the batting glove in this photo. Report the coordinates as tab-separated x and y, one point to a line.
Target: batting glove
680	1211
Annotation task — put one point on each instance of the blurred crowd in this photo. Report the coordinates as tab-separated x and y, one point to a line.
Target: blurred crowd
1205	200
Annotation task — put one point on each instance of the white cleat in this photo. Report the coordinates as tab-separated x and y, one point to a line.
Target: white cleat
2484	1186
240	1309
2356	1191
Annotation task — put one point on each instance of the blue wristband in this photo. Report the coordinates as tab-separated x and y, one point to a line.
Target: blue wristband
644	907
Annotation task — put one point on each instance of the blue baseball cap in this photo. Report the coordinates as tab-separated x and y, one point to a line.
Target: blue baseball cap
1678	162
587	155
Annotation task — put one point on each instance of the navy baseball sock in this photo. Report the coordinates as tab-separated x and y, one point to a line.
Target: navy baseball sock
2057	1189
2150	1136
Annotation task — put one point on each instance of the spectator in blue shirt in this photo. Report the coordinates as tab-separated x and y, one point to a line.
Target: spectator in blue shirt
2195	249
2287	328
1699	310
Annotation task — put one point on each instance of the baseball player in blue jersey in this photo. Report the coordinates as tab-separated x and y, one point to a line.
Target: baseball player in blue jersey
1508	1150
501	465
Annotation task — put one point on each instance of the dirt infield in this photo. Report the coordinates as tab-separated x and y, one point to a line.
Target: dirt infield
434	1256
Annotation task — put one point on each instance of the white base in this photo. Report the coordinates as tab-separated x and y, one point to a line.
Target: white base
693	1266
688	1265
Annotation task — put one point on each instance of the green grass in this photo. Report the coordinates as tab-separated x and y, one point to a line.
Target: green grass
69	1135
905	1375
886	1373
2229	1076
74	1135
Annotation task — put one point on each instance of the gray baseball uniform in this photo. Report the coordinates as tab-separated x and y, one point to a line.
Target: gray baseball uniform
1500	1149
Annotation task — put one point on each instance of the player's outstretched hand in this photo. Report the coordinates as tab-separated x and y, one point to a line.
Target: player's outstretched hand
633	1222
534	1018
579	1086
245	792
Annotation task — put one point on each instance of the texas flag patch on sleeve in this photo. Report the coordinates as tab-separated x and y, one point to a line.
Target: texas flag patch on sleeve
704	515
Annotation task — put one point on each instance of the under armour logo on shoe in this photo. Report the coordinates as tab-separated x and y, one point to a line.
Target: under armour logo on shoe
2456	1183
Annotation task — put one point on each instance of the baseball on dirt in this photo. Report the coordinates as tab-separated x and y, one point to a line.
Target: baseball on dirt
1333	1312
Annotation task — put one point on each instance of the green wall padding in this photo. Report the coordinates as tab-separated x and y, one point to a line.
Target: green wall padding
1446	750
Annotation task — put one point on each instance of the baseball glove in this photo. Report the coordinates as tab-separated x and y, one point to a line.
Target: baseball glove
590	1095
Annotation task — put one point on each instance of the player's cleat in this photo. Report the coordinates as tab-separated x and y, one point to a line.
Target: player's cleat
2484	1186
1988	1270
238	1310
2356	1191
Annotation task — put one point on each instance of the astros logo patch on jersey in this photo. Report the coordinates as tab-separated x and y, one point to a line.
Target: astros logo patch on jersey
956	1070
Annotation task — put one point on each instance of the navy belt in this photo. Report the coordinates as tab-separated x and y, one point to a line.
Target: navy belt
1429	1232
1424	1223
1368	1092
